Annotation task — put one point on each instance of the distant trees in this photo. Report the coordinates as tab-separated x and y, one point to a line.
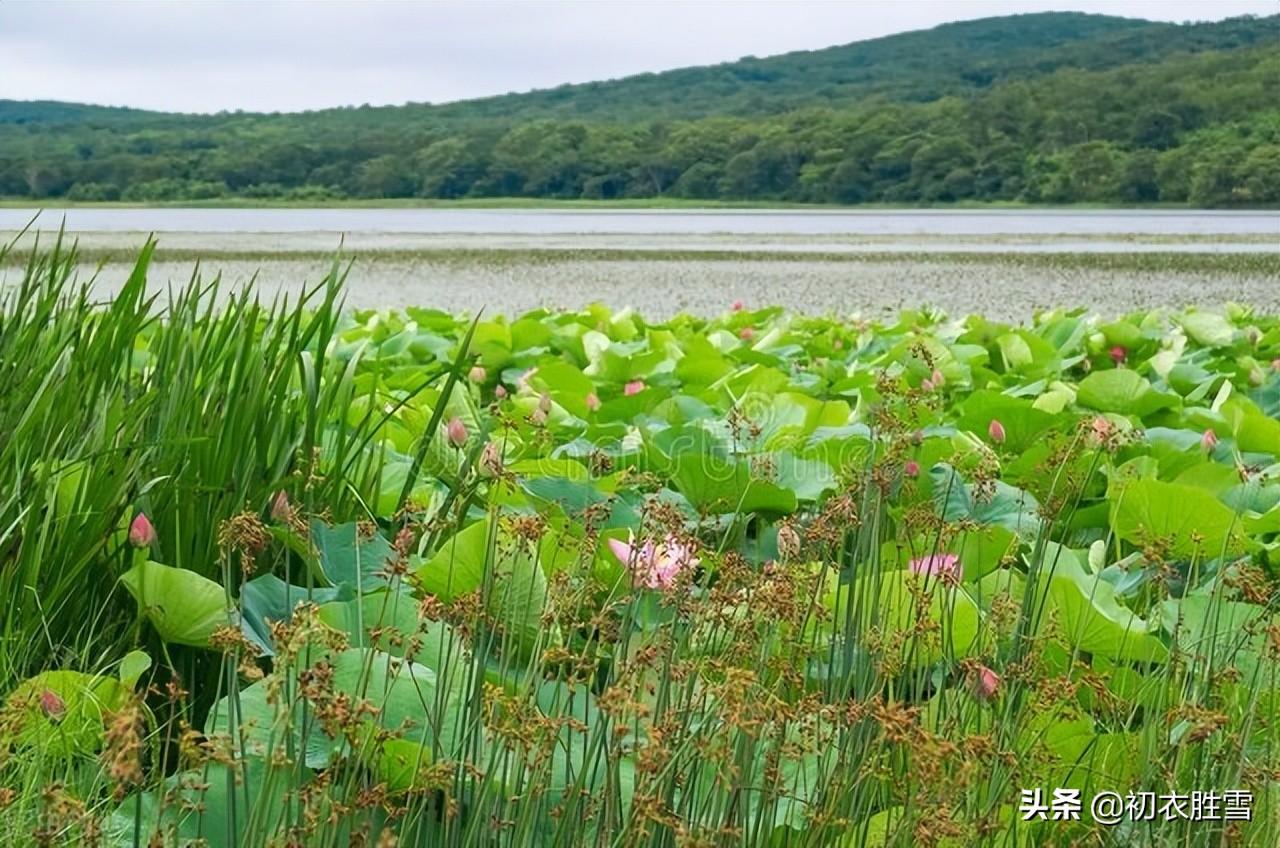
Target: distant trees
1203	130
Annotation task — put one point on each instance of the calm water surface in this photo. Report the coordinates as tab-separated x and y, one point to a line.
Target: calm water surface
631	222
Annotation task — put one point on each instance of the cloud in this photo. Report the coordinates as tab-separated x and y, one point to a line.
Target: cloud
266	56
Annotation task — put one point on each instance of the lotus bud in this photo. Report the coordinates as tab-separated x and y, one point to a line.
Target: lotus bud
477	374
747	334
141	533
917	437
491	461
788	542
911	468
986	684
634	387
592	401
1119	355
52	705
1100	427
996	431
456	431
500	391
937	378
738	306
926	385
1208	441
281	510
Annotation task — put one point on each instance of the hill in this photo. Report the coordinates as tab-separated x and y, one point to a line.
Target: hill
1054	107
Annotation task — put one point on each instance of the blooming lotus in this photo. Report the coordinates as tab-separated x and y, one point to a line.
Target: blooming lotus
936	565
655	566
141	533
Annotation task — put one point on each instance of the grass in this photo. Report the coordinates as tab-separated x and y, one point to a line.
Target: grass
283	571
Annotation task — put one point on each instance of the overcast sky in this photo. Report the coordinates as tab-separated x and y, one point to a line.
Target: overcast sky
210	56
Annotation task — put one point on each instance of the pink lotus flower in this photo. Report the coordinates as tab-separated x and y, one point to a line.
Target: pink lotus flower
996	431
937	379
500	391
1209	440
911	469
654	566
738	305
141	533
281	510
635	387
592	401
1119	355
456	431
926	385
51	704
1100	427
985	684
936	565
477	374
747	334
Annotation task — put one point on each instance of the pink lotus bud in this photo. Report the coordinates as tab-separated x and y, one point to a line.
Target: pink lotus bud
52	705
738	305
635	387
281	510
937	378
746	334
141	533
1100	427
911	468
456	431
985	683
477	374
593	401
1119	354
500	391
926	385
1209	440
544	403
491	461
996	431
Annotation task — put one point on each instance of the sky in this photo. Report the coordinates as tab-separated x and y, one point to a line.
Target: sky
188	56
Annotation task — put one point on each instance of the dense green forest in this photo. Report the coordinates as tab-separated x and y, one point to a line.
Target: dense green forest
1044	108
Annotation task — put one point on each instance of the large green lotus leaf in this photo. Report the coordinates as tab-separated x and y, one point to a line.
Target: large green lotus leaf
389	622
1253	429
809	479
1008	507
268	599
346	558
518	587
891	602
566	384
184	607
1217	633
702	363
1122	391
61	712
268	727
1207	328
1189	519
1090	618
728	486
1023	423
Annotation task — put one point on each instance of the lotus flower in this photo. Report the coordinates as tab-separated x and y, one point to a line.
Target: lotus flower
926	385
985	683
747	334
655	566
635	387
592	401
500	391
936	565
1119	355
996	431
1209	440
141	533
937	379
456	431
1100	427
738	306
477	374
281	510
52	705
911	468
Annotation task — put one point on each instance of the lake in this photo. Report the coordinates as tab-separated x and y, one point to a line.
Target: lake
823	222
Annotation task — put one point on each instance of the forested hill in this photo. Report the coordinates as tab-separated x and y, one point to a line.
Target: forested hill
1054	108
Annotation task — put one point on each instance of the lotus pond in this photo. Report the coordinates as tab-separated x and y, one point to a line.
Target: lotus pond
291	574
